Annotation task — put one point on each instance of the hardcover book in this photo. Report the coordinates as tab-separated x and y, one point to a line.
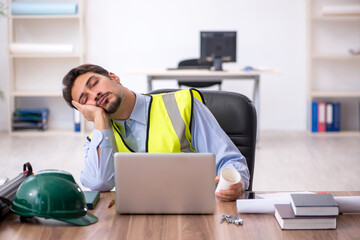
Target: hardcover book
314	204
287	220
92	198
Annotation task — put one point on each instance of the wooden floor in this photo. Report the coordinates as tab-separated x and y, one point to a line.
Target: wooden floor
285	161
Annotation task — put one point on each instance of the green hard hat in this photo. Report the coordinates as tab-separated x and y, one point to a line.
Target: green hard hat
52	194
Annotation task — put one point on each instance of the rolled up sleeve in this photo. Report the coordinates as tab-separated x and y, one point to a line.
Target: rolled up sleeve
208	136
98	174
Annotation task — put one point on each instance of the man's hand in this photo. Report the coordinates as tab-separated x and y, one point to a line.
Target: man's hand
93	114
231	194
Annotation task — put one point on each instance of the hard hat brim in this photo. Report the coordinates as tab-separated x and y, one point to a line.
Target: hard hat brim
80	221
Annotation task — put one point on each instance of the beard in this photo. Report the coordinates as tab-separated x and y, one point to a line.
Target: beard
114	105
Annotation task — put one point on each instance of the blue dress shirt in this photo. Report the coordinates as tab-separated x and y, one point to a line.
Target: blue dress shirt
206	136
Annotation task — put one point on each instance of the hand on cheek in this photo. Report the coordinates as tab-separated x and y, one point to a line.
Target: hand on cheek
88	111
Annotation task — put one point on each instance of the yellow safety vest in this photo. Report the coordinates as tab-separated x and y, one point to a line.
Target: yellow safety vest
169	123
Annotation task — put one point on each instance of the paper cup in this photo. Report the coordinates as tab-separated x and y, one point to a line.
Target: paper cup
228	176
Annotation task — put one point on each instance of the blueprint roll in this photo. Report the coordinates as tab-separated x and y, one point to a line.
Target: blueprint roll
40	48
259	205
8	190
348	204
43	8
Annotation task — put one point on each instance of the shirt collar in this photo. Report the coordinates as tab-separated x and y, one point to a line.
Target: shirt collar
139	112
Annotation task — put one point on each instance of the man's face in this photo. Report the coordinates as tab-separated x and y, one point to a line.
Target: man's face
98	90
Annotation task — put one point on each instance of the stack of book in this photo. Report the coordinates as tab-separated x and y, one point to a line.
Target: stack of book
325	116
308	211
30	119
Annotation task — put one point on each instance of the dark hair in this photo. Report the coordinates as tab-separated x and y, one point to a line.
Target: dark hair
69	79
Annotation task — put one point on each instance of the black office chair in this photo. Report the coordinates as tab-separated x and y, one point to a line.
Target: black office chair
236	115
196	64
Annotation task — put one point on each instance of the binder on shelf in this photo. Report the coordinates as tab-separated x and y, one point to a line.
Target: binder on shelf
329	117
30	119
321	117
314	116
77	123
336	116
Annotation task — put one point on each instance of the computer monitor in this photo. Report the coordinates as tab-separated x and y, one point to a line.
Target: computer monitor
217	47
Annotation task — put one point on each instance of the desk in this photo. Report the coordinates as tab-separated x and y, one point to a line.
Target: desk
207	75
114	226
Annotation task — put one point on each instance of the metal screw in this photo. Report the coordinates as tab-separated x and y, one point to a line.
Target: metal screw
231	219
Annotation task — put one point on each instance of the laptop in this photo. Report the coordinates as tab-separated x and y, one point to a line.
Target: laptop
165	183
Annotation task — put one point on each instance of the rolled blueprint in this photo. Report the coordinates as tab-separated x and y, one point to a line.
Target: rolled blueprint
347	204
9	189
43	8
40	48
259	205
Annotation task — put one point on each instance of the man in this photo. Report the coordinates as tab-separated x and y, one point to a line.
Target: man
125	121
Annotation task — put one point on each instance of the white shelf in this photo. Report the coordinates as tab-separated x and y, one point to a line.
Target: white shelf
335	94
333	73
32	73
37	94
339	18
335	56
340	134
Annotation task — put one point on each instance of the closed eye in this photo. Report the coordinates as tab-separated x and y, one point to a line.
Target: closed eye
84	100
94	83
91	82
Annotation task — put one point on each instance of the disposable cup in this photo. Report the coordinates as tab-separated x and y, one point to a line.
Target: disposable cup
228	176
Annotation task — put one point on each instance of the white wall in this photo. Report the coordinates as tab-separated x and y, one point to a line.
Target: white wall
125	35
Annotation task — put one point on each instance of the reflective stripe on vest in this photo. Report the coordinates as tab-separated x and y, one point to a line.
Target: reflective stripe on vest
177	121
